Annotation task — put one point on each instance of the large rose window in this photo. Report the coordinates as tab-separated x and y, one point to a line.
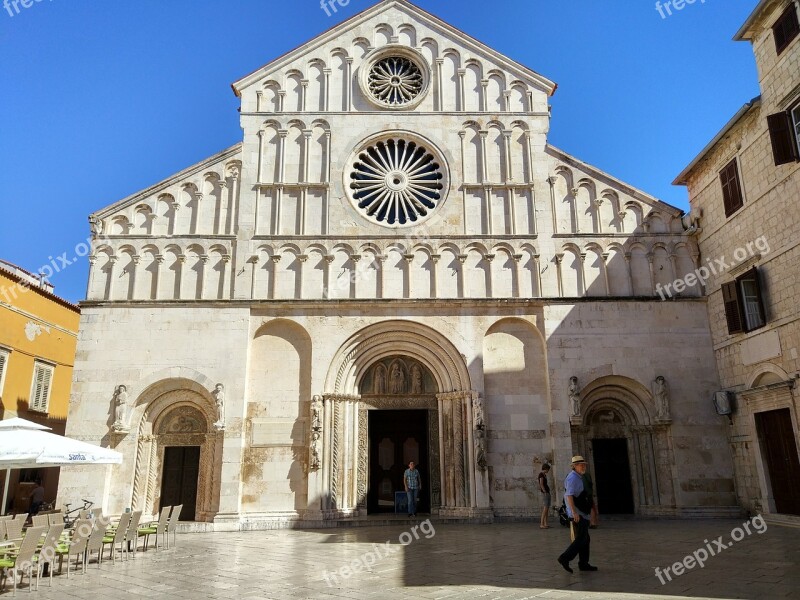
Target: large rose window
397	181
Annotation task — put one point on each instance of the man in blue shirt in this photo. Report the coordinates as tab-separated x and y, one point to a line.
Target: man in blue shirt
579	508
413	485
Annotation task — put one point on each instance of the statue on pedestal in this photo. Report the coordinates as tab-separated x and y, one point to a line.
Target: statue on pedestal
661	397
219	400
120	408
574	397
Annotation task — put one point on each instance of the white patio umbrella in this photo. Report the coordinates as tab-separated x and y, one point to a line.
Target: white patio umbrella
28	445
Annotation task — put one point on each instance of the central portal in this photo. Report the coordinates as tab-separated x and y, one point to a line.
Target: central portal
397	437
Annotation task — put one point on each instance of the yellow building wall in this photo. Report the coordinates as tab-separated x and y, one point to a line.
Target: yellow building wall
35	325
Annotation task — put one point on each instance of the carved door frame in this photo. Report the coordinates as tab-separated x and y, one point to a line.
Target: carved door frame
177	418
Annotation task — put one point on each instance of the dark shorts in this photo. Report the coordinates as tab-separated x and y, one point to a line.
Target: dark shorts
546	501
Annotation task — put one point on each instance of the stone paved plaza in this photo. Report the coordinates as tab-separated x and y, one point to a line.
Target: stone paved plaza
458	561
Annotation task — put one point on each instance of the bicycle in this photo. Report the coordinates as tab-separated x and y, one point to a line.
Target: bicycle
69	520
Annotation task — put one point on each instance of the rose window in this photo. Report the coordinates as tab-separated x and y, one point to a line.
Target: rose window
395	81
396	182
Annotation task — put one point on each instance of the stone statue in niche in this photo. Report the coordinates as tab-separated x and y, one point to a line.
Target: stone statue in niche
574	397
314	461
316	413
416	379
219	400
477	412
480	449
661	396
397	380
120	408
379	385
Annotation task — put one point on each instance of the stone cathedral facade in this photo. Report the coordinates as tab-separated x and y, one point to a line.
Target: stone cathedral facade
394	265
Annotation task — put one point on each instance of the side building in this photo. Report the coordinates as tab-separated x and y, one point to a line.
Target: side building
744	189
38	338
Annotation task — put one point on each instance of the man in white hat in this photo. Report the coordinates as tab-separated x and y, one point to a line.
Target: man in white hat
579	507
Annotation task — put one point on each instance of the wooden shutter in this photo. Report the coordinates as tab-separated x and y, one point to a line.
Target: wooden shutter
786	28
733	309
731	188
784	149
754	275
41	388
3	363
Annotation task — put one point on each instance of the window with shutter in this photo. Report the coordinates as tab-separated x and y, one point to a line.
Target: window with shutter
733	313
751	300
796	124
4	356
781	133
731	188
786	28
40	388
744	303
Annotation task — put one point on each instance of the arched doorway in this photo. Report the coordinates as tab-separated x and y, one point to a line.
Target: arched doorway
399	395
178	452
459	486
628	450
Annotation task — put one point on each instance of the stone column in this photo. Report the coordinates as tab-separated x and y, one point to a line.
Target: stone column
650	262
354	285
349	87
461	96
434	276
439	91
301	258
559	257
327	91
273	276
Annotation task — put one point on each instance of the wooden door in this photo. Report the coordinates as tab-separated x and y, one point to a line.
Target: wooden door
179	479
777	439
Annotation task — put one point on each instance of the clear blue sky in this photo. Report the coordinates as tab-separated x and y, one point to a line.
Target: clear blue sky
100	99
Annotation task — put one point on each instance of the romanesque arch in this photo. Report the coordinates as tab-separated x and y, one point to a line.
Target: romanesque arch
616	408
175	412
459	485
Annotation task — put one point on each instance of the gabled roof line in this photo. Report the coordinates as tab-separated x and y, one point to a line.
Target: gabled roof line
682	178
324	37
741	35
626	187
165	183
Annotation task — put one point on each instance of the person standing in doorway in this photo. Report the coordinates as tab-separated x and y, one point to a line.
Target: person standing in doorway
544	488
579	507
413	484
